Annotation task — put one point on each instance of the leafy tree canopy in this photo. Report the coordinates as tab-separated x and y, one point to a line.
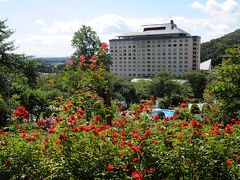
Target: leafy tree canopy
198	81
18	78
85	41
226	84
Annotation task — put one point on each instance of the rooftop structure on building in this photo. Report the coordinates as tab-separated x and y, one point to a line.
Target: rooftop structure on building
153	49
155	30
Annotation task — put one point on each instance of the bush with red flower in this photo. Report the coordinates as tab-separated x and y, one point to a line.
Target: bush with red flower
21	113
77	142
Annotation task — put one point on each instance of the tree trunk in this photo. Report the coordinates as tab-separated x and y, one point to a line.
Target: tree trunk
3	118
107	102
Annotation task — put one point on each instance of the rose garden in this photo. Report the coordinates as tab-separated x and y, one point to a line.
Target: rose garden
84	133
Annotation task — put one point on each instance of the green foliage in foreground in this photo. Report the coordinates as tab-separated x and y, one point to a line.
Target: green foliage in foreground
225	86
135	147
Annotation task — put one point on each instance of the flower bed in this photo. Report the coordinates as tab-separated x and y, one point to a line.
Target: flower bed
133	147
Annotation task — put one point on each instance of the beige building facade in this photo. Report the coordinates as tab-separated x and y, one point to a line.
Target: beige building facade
154	49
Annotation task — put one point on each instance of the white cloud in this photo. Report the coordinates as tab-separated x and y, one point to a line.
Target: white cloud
48	45
63	27
3	1
220	18
217	19
110	25
40	22
214	7
225	12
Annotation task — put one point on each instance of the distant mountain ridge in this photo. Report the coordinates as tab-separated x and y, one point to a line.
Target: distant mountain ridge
216	47
54	60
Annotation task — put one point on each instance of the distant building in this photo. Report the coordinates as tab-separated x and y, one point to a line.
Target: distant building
206	66
224	58
153	49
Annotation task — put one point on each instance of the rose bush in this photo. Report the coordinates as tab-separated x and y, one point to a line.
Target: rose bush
67	146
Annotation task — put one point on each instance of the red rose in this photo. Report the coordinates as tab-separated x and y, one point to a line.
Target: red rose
51	130
80	112
183	105
142	138
135	160
123	134
124	166
28	139
135	135
180	136
229	162
156	117
152	97
18	126
104	46
137	176
75	129
217	132
114	135
110	167
147	132
137	150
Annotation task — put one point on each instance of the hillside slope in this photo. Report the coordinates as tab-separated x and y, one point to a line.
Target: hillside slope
216	47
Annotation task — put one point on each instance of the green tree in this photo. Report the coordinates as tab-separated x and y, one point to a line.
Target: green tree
225	86
18	78
162	82
165	87
86	42
5	46
122	89
143	88
94	60
198	81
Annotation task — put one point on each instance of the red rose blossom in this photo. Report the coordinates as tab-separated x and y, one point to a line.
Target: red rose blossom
147	132
135	160
183	105
229	162
137	176
51	130
180	136
104	46
110	167
28	139
156	117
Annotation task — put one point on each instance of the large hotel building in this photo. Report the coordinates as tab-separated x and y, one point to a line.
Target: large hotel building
153	49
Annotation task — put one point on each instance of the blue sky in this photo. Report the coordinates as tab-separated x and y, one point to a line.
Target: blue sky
45	27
